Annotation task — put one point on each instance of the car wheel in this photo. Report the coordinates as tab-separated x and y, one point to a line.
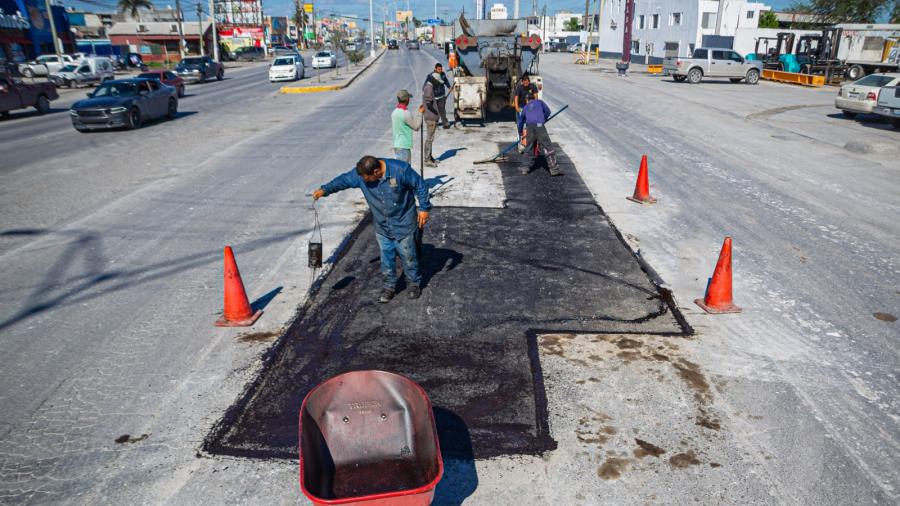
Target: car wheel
68	83
849	114
172	110
752	76
134	118
695	76
679	79
895	123
220	75
181	91
855	72
42	105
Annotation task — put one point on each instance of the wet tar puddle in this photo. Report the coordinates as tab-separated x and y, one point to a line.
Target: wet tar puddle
494	280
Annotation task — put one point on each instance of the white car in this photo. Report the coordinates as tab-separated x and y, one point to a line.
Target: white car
324	59
286	68
860	97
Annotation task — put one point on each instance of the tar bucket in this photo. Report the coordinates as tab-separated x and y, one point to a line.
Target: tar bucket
368	438
315	246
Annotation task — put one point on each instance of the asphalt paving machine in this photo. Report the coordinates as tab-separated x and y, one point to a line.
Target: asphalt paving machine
492	55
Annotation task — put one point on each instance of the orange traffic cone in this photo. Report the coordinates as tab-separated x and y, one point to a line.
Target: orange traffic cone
718	291
642	188
238	312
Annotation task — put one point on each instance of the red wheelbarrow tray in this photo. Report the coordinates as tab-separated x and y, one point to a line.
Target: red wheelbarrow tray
369	438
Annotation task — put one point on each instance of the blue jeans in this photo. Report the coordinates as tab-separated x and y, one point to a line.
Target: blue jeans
406	249
403	154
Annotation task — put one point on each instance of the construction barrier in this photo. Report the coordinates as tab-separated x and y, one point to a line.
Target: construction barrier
654	69
793	78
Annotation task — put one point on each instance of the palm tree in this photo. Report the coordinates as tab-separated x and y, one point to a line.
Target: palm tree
133	7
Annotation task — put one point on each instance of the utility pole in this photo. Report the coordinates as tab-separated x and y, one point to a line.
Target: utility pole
200	27
435	9
53	31
543	23
587	6
371	29
180	28
215	33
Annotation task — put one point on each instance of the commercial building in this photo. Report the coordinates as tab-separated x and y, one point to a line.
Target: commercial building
158	41
498	11
674	27
14	25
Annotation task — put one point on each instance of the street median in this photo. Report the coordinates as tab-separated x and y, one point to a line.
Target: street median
344	81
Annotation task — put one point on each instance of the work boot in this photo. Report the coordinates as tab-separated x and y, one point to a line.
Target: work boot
554	171
386	295
521	149
414	292
525	170
431	163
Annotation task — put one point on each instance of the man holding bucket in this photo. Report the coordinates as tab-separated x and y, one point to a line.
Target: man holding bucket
391	188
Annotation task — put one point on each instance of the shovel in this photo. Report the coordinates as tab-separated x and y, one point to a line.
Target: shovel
500	156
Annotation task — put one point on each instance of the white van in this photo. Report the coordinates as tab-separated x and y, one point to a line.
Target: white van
88	71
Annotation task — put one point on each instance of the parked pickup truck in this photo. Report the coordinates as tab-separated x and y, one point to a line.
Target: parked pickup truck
45	65
888	104
713	62
15	94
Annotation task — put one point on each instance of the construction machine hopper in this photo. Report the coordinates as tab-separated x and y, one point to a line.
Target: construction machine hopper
493	55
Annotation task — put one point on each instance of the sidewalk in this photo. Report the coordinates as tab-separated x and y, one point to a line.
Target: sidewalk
335	80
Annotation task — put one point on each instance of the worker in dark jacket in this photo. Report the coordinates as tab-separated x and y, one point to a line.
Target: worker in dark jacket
534	115
440	87
391	188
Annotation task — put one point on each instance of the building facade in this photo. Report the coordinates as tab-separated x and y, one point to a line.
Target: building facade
674	27
15	46
498	11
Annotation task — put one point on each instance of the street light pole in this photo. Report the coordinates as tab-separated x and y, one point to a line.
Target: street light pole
200	27
180	28
215	33
56	47
371	29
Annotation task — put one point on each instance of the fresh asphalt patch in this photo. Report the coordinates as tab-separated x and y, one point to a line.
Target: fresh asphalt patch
549	262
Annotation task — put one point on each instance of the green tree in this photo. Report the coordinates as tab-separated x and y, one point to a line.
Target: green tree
767	19
844	11
133	7
572	25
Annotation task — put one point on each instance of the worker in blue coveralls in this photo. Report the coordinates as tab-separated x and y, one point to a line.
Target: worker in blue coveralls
390	187
534	115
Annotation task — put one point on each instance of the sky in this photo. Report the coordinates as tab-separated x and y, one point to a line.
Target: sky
422	9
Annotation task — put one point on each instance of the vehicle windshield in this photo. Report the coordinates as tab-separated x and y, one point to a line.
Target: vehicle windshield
192	61
323	54
69	68
283	61
875	81
149	75
116	90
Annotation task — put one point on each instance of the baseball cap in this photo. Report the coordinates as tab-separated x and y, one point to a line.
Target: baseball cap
403	95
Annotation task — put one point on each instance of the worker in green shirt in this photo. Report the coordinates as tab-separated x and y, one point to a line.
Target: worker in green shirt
403	123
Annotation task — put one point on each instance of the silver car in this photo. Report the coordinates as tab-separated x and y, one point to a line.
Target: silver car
713	62
860	97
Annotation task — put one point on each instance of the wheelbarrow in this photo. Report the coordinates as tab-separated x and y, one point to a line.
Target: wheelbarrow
368	438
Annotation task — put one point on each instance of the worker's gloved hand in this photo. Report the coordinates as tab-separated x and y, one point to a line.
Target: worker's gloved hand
423	218
318	194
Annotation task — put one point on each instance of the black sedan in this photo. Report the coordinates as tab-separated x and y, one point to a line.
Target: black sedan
124	103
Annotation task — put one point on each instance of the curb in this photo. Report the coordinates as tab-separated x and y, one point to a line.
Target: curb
291	90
